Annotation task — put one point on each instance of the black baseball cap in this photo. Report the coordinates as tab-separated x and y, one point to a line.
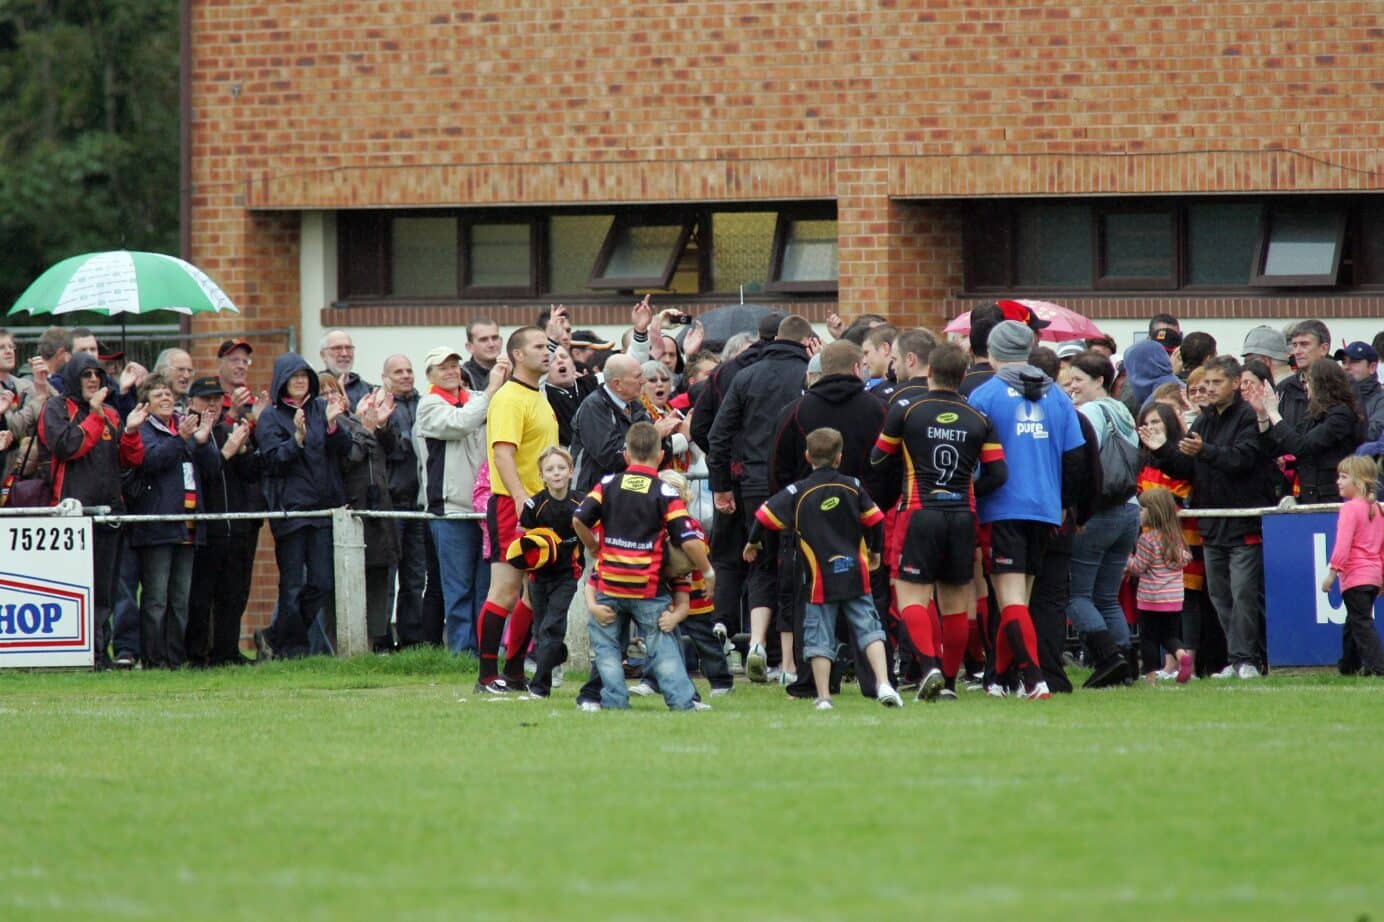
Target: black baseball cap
209	386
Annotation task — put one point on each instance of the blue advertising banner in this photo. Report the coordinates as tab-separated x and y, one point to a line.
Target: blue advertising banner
1303	623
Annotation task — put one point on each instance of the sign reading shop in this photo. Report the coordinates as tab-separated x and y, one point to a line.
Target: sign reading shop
45	592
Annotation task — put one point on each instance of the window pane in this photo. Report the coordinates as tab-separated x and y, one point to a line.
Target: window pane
809	254
573	242
361	252
1054	246
1138	245
987	248
1301	243
1220	243
1369	248
499	255
742	244
642	252
424	257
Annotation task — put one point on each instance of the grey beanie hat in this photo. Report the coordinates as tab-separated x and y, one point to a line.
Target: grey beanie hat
1010	341
1265	340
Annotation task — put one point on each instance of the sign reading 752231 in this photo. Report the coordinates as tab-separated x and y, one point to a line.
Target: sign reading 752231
45	592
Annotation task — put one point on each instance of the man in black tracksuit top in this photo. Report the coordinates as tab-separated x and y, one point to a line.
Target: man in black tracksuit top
742	438
839	400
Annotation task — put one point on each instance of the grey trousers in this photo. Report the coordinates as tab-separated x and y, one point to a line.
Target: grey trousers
1235	583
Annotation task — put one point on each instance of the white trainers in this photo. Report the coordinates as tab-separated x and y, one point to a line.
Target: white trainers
787	678
1248	671
1165	675
888	697
757	664
824	704
642	689
718	630
718	692
700	706
588	706
996	690
931	686
1227	673
1038	692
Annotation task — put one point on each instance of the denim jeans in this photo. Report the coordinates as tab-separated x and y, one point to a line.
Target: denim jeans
1099	555
166	578
465	580
1235	583
306	578
819	625
664	651
411	575
126	608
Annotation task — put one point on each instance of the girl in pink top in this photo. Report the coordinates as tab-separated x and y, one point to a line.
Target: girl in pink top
1158	559
1357	558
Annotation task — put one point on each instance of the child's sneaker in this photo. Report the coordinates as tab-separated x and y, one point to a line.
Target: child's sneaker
824	704
642	688
718	630
932	686
888	697
996	690
736	662
588	706
757	664
700	706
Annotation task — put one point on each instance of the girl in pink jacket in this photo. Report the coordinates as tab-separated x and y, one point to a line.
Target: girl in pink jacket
1357	559
1158	559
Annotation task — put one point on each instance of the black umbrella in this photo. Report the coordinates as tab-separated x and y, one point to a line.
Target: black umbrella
722	323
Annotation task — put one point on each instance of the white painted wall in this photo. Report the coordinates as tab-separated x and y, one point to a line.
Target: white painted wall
318	270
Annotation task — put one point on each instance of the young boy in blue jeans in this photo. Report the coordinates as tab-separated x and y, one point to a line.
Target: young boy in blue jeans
636	510
839	530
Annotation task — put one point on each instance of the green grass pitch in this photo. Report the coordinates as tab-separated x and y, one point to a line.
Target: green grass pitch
384	788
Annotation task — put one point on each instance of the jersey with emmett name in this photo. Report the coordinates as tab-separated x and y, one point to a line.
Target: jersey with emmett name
942	438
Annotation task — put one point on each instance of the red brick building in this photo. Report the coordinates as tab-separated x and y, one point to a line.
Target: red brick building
379	166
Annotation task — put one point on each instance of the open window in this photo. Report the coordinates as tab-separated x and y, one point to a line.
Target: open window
804	255
1299	246
641	251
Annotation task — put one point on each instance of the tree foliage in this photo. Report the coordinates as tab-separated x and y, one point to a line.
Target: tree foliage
88	132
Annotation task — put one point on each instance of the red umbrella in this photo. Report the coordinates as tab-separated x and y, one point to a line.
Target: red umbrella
1063	323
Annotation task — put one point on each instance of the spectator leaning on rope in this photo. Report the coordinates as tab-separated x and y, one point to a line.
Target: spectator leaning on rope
450	438
301	445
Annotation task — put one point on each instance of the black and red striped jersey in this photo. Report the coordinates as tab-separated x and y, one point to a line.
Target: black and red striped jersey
942	439
836	524
543	510
636	510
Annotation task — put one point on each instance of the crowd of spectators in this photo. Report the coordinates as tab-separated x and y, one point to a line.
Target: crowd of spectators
1022	489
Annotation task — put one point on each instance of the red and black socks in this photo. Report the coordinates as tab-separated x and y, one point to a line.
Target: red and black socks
956	633
917	622
520	634
1016	632
490	627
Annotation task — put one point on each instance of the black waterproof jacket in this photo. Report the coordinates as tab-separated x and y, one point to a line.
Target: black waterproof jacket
840	402
299	477
1232	471
742	435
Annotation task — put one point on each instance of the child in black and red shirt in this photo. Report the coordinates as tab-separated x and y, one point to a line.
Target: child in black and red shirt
839	531
551	587
636	511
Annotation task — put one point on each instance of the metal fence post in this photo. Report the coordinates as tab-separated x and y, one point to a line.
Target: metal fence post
348	567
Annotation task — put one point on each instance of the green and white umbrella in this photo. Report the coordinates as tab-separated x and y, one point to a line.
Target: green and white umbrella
123	282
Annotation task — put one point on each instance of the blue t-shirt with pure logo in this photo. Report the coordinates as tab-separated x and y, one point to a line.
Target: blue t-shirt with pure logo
1035	435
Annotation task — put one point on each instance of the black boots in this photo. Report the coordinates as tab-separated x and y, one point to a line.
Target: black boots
1111	666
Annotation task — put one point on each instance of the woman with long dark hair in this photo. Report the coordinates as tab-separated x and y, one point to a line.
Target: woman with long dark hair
1102	547
1327	433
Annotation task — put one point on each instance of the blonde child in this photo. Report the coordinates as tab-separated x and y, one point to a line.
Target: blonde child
551	587
1158	559
1356	559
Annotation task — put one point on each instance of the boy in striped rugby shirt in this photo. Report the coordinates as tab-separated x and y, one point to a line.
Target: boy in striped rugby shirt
636	510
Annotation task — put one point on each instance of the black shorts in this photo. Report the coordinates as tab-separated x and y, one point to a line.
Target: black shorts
939	546
1019	545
